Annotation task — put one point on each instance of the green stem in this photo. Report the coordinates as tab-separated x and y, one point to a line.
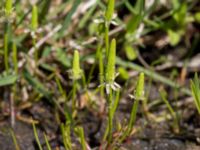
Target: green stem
101	71
74	96
6	63
110	117
107	38
36	52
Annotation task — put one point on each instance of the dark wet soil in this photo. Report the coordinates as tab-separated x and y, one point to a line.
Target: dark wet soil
150	136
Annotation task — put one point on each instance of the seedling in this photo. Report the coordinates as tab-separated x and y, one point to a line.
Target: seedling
76	74
138	95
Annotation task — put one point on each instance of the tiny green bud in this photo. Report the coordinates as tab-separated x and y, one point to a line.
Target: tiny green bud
140	87
110	70
8	7
110	10
76	71
34	18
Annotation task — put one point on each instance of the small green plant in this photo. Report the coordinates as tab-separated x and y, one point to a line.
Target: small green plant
138	95
76	74
171	110
111	86
195	88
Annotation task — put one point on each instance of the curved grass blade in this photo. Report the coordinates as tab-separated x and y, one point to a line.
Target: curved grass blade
8	80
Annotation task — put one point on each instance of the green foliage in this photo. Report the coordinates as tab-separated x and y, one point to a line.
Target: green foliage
110	10
131	53
140	87
123	73
174	37
34	23
66	136
195	88
8	7
197	17
137	16
37	137
110	69
15	61
47	142
8	80
62	58
76	71
6	62
80	133
180	14
17	147
139	93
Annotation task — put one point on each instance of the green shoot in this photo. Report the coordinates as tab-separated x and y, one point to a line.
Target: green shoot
47	142
34	26
101	72
8	80
171	110
34	21
80	133
110	69
76	71
195	88
110	10
15	62
37	137
17	147
65	130
76	74
139	94
8	8
108	17
111	86
6	61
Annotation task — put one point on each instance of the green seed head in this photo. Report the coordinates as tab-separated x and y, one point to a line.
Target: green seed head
110	69
34	18
76	71
8	7
140	87
110	10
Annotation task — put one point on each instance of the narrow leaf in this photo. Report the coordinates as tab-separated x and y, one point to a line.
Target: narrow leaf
8	80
